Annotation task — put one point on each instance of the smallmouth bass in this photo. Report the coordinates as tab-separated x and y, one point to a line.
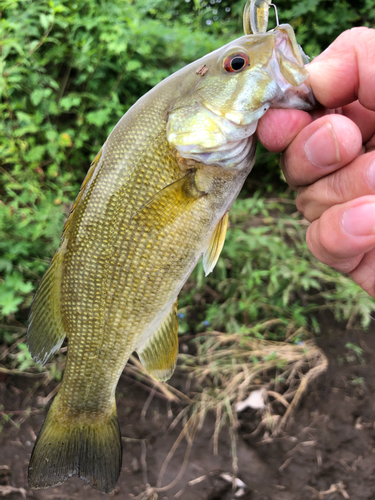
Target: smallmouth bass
155	199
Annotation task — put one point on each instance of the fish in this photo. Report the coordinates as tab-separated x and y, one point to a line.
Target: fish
155	200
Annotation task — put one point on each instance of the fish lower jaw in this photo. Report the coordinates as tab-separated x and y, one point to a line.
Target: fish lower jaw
228	155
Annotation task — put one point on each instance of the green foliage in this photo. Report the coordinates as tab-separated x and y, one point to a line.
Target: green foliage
24	359
354	353
266	271
69	71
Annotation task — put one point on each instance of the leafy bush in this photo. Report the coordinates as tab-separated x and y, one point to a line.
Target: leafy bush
266	272
69	72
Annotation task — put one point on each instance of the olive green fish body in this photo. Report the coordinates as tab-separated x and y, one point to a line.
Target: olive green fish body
127	256
155	199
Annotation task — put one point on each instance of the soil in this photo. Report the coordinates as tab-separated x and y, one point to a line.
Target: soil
328	451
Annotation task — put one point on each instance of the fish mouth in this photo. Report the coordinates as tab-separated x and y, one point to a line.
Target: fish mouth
290	73
302	98
240	118
309	101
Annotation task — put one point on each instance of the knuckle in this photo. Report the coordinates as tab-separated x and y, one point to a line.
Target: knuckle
288	169
337	189
328	238
301	200
308	203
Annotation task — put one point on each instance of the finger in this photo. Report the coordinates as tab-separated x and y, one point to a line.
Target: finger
353	181
278	127
370	145
325	145
364	273
344	72
362	117
344	233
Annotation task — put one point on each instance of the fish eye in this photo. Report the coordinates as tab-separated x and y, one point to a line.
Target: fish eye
236	62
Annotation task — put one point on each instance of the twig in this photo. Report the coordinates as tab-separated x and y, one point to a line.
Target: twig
43	401
144	462
151	492
279	397
147	403
23	374
13	346
306	380
166	390
193	421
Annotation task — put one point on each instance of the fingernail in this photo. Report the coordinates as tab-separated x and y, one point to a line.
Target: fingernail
371	176
322	148
360	221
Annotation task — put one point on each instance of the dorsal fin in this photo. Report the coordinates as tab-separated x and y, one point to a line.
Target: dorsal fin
216	244
89	175
159	353
46	332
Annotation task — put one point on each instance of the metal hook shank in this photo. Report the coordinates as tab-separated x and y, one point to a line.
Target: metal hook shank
276	15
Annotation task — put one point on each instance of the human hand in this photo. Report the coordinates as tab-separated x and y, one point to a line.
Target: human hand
329	159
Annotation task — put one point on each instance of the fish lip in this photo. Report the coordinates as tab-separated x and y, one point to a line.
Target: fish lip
241	121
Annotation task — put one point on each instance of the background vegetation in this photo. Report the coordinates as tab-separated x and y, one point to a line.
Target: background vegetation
68	71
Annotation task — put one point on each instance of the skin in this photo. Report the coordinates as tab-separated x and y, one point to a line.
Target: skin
332	173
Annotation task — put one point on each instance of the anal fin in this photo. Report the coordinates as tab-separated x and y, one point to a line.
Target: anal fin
216	244
159	353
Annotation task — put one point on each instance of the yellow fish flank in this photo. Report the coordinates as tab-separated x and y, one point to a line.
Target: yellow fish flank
156	198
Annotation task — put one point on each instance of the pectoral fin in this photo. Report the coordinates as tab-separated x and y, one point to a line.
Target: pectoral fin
159	353
216	244
168	204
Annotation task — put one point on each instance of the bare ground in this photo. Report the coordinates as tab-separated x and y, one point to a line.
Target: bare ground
328	451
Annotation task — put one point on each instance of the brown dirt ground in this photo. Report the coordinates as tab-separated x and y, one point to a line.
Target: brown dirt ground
328	452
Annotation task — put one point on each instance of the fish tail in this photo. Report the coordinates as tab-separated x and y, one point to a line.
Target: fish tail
89	448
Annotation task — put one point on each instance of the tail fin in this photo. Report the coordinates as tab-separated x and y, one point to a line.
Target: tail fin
91	450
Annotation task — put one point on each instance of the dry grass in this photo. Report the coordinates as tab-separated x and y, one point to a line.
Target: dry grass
223	372
228	368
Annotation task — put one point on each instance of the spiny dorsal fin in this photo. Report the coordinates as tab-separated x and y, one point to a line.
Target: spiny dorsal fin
216	244
46	331
89	175
159	353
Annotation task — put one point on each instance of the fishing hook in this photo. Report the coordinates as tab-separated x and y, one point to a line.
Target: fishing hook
255	16
276	15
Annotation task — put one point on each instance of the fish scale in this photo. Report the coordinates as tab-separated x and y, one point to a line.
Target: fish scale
77	290
155	198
